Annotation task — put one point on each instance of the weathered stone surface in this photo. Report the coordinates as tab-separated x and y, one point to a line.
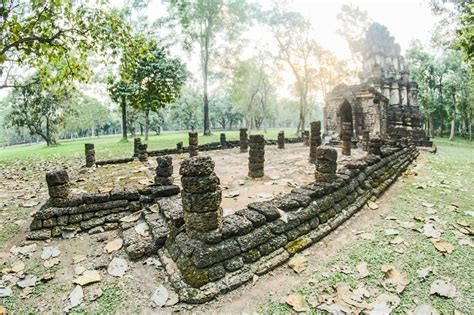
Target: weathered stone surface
255	217
286	203
235	225
172	209
279	226
203	221
298	245
216	272
274	260
251	255
254	238
200	184
265	208
233	263
159	228
273	244
137	245
301	229
201	202
160	191
85	225
206	255
39	234
56	178
197	166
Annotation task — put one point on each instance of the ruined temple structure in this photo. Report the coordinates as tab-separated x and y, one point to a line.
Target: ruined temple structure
386	100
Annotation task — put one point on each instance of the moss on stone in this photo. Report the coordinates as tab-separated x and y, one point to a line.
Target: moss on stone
251	255
56	231
192	275
298	245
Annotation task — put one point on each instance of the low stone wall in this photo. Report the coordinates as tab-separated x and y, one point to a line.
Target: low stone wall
114	161
216	146
86	211
259	238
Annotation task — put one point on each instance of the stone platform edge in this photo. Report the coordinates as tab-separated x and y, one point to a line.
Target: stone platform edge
200	271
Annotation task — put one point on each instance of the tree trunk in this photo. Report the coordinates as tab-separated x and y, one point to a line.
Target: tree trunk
147	123
124	118
48	133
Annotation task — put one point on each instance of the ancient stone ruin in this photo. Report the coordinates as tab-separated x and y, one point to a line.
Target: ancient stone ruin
204	252
386	101
281	140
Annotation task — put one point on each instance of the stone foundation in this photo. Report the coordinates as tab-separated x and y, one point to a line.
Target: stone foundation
259	238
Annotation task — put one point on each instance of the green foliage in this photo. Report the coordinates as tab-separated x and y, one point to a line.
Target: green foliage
158	79
61	32
39	108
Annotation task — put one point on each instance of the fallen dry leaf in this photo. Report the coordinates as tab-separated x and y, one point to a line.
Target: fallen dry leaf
424	309
384	304
103	190
298	302
430	231
132	217
396	278
18	266
443	288
362	270
51	262
88	277
26	292
442	246
298	263
47	277
113	246
463	223
155	208
397	240
372	205
78	258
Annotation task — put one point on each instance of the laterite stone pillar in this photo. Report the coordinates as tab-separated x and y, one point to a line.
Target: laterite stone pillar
164	171
223	141
306	138
281	140
315	140
58	184
256	156
326	164
90	154
193	144
374	146
136	144
201	196
179	147
244	140
142	152
346	136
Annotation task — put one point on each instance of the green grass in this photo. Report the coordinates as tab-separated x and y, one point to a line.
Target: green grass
113	146
453	166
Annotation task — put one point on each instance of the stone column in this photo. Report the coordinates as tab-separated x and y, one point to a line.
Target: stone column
136	144
374	146
179	147
306	138
404	141
223	141
346	136
365	140
164	171
244	140
281	140
394	94
256	156
90	154
201	196
315	140
326	164
193	144
58	184
142	152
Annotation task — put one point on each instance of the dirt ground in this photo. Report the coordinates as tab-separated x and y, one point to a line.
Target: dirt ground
23	190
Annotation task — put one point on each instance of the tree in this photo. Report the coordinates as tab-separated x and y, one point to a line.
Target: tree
354	24
223	112
188	111
297	49
203	21
37	107
252	92
61	32
158	79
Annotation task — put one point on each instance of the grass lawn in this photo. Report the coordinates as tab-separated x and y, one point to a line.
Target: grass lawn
446	201
112	147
